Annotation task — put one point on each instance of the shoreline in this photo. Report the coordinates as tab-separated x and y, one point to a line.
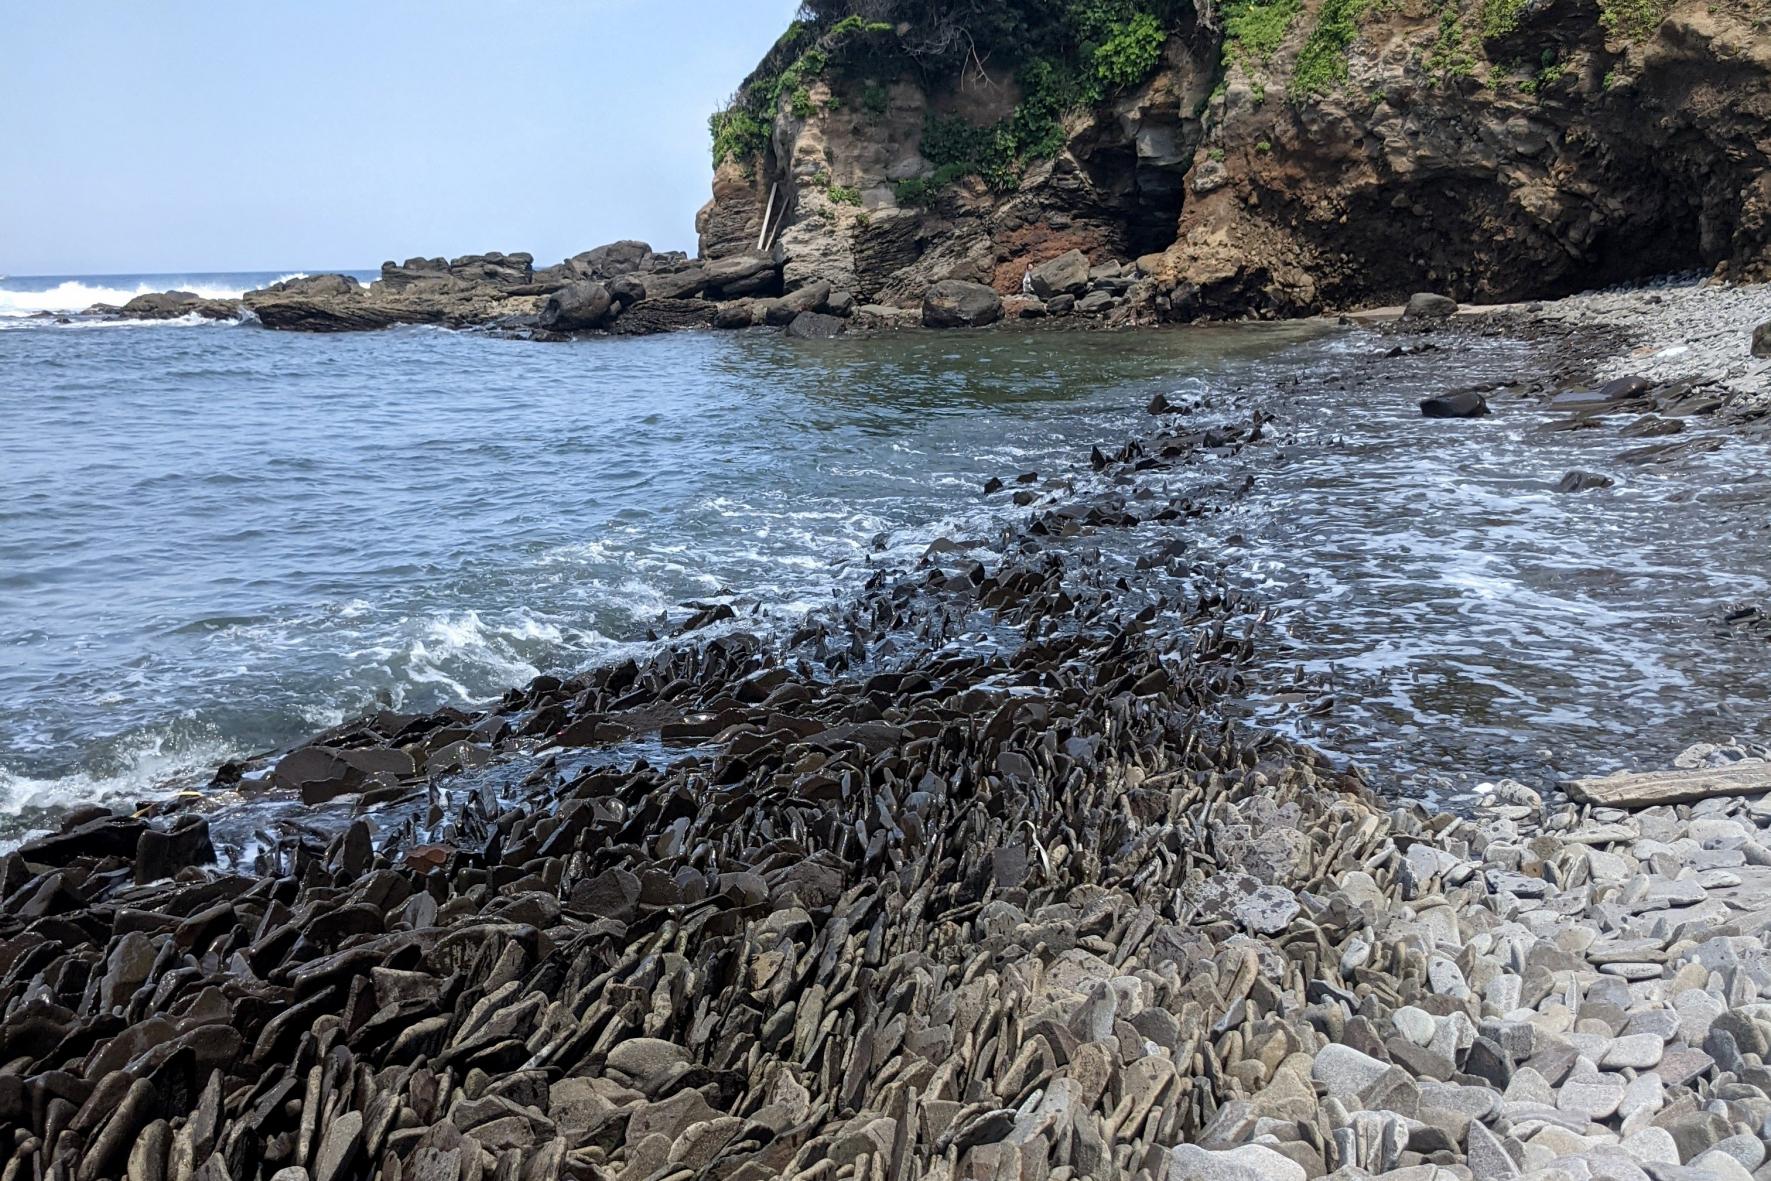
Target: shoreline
964	878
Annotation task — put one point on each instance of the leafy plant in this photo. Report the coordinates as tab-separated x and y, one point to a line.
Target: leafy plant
1450	56
843	194
1500	17
1633	20
1322	62
1130	54
1254	29
738	135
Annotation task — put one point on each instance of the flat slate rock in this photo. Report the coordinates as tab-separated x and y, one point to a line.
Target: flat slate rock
1651	788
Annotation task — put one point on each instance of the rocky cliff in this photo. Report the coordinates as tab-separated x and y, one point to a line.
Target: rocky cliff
1259	158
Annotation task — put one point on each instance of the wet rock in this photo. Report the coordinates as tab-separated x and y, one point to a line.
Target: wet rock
1067	274
954	303
321	773
1578	481
735	315
815	326
1425	305
1467	404
577	307
161	854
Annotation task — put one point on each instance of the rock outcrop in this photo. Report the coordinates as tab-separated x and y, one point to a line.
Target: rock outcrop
1280	157
170	305
623	282
845	189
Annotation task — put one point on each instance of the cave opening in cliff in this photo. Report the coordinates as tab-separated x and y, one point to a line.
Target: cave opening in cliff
1156	219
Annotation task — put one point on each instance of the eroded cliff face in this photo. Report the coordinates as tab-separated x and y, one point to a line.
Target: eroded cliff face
855	202
1554	156
1365	149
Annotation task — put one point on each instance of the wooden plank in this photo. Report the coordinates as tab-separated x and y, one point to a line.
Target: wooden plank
1646	789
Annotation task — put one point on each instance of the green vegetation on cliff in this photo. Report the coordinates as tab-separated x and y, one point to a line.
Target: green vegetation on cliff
1065	55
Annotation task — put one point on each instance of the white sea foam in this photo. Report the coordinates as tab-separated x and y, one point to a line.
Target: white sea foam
142	766
73	295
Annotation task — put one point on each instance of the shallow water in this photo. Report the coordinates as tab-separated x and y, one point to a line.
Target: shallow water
216	539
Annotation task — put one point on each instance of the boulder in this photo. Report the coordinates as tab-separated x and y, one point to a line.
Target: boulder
578	306
500	270
840	303
815	326
783	311
1095	302
162	854
1066	274
323	773
1424	305
683	284
735	315
1062	305
955	303
1762	340
1578	481
626	290
170	305
663	315
317	286
1467	404
607	262
741	274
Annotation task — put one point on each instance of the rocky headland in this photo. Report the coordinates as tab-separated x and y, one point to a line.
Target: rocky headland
1138	161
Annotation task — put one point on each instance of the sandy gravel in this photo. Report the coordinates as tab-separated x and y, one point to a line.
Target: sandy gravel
1690	331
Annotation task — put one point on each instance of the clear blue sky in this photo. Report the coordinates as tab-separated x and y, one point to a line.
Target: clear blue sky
196	135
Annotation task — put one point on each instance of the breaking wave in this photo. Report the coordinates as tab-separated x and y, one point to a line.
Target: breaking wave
76	295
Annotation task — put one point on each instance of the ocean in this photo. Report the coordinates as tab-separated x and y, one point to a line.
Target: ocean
216	539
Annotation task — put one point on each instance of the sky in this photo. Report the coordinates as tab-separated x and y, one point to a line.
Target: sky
194	135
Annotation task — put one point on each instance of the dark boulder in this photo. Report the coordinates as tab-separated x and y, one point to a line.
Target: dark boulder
1467	404
1578	481
652	316
840	303
954	303
607	262
742	274
83	835
323	773
626	290
1425	305
683	284
170	305
1061	305
1066	274
1762	340
577	307
815	326
735	315
500	270
783	311
318	286
162	854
